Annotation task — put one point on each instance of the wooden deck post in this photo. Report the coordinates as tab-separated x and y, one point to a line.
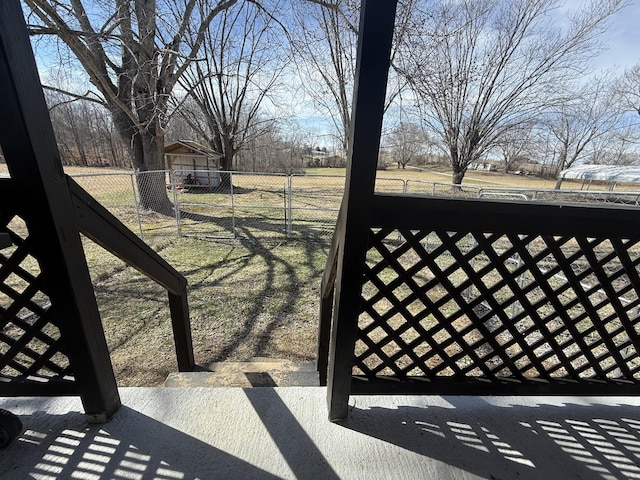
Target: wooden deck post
182	331
32	156
377	18
95	222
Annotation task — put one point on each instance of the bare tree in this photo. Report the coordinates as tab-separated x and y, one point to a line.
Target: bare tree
114	150
407	142
628	89
324	42
239	66
260	152
85	133
515	145
290	148
577	123
481	67
617	147
133	52
279	148
180	127
325	52
70	127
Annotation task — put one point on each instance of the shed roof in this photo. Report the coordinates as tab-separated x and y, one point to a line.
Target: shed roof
607	173
194	147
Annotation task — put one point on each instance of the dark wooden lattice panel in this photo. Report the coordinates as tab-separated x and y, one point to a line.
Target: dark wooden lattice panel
30	340
499	308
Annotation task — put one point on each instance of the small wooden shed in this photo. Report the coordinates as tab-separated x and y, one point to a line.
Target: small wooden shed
194	161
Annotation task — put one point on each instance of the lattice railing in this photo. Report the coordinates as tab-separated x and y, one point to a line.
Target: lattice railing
31	344
505	307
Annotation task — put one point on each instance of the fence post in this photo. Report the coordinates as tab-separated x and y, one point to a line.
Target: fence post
136	202
288	207
233	206
176	202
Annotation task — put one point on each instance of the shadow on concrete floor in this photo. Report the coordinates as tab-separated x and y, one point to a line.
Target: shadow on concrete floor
263	433
543	441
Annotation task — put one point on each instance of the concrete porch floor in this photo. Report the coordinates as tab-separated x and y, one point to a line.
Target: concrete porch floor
283	432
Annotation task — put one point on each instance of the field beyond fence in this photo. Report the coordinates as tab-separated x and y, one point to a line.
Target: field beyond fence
265	206
257	295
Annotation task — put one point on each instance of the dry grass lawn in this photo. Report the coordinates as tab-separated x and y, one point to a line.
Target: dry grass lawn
247	299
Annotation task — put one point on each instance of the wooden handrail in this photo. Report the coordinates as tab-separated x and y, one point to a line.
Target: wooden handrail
101	226
327	290
487	215
331	267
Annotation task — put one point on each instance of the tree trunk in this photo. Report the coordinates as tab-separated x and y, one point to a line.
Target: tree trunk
558	183
148	162
225	183
147	158
457	176
226	163
458	162
152	188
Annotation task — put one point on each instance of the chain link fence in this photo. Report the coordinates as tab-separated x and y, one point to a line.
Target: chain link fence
314	203
421	187
259	206
118	192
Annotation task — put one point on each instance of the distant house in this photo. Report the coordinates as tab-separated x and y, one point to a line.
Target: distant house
488	167
193	163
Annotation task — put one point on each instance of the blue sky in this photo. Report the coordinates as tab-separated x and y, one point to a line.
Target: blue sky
622	39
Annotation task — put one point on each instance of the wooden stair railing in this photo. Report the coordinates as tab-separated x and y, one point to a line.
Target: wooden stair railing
327	294
51	336
101	226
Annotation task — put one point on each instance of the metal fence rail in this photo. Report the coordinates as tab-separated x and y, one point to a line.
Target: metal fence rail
276	206
421	187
